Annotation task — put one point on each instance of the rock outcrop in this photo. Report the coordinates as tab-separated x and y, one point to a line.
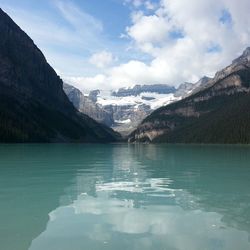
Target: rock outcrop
87	105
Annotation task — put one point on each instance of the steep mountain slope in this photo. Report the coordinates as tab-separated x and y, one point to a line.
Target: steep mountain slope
186	89
33	105
87	105
216	113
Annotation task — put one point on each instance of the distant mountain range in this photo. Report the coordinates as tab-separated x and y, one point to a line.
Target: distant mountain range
139	89
33	105
215	112
125	108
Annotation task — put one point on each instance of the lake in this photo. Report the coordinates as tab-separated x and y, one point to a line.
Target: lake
77	197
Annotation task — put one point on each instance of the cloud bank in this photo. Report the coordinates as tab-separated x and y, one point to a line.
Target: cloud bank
186	39
164	41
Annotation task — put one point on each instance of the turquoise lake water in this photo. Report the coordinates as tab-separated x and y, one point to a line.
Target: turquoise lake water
77	197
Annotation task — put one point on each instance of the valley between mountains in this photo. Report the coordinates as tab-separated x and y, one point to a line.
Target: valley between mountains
37	106
213	110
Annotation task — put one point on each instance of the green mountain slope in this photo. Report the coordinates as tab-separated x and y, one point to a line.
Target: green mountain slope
216	113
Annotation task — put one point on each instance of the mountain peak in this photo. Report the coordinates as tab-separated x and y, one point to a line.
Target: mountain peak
246	52
245	57
203	81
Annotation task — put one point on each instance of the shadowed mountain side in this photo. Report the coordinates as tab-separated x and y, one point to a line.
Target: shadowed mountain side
34	107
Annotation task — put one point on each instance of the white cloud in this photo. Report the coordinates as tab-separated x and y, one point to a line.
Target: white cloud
101	59
148	29
147	4
135	3
85	84
182	40
186	40
66	34
79	19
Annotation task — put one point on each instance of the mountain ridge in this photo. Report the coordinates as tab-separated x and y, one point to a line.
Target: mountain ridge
138	89
34	107
206	114
125	108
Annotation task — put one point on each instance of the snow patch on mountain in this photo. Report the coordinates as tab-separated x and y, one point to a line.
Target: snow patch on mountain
125	108
153	100
123	121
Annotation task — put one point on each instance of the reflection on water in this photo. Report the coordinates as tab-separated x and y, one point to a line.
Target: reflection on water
125	197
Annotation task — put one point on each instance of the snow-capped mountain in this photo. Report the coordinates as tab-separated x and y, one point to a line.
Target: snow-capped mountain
125	108
139	89
129	110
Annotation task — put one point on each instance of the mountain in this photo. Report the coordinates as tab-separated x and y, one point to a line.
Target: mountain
138	89
187	88
87	104
122	112
130	105
33	106
184	89
125	108
218	112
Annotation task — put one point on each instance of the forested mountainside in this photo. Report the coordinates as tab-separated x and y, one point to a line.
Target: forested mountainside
33	105
218	112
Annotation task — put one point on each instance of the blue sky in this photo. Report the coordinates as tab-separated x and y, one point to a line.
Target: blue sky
113	43
98	24
112	13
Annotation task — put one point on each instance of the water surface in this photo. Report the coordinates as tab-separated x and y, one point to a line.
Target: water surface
61	197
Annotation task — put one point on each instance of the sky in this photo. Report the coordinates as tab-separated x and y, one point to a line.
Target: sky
107	44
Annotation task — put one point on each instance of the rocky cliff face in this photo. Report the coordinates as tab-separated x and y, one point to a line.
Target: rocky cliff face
74	95
127	117
138	89
186	89
87	104
216	113
120	111
121	117
34	107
